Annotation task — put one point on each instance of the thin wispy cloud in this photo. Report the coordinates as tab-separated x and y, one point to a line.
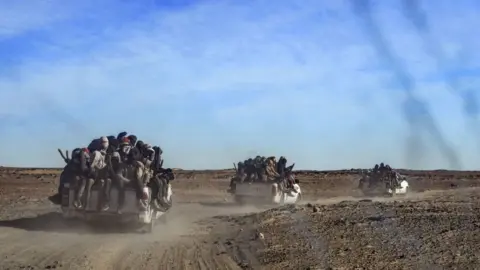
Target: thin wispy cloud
215	81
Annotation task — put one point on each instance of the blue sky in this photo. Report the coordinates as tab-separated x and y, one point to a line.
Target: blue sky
213	82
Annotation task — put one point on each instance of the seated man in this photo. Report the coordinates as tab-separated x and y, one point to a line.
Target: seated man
395	178
281	166
148	154
84	175
120	168
383	172
270	169
117	172
159	181
250	170
260	166
76	166
260	172
98	170
141	158
159	186
286	178
157	161
148	159
239	176
289	180
108	173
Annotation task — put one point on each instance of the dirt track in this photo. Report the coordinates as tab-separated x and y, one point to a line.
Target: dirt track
438	227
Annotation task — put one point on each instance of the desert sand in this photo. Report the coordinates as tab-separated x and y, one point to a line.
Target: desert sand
437	226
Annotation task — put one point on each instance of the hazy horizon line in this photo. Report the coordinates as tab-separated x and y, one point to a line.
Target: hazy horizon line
227	169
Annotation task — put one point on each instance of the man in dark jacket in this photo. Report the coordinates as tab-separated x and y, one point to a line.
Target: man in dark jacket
282	166
76	167
250	170
239	177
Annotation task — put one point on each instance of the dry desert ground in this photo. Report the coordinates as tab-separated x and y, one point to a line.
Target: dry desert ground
437	226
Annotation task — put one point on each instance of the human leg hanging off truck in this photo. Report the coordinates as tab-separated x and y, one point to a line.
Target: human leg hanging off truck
141	156
394	179
135	157
239	176
260	169
289	180
86	182
82	194
260	173
146	176
118	170
283	178
97	165
149	157
122	167
71	169
67	176
159	185
112	159
105	179
84	174
120	181
107	187
139	182
99	162
249	170
157	170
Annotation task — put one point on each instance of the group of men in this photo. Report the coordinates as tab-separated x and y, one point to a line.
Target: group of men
119	159
382	174
262	169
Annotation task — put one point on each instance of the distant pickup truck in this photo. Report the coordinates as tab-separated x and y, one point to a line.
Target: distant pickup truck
268	192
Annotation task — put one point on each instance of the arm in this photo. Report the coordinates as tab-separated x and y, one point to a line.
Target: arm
271	171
